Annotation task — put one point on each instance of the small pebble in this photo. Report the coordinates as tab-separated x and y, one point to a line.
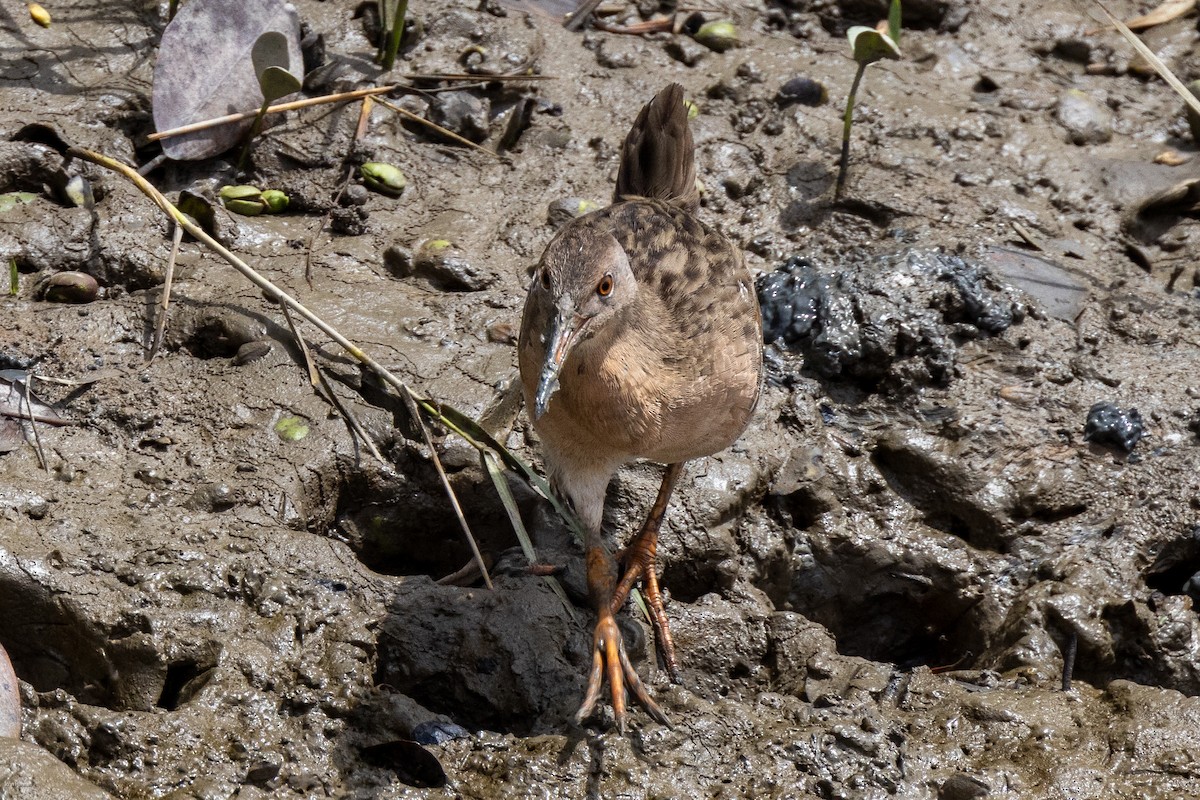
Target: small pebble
355	195
501	333
462	113
617	53
565	209
802	91
1086	121
1107	424
432	732
349	221
686	51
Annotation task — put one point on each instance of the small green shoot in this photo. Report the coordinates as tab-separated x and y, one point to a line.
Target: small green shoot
869	46
392	33
10	200
13	277
291	429
271	61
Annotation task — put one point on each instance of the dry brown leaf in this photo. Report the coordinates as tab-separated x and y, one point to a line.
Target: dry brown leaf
1169	10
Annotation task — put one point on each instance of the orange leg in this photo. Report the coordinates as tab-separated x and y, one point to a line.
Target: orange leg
608	648
639	563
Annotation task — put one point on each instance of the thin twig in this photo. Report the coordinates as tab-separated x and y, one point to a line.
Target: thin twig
404	112
479	77
37	440
411	402
275	109
160	326
323	388
1162	69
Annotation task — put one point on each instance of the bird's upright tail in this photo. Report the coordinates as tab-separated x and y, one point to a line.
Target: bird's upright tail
657	159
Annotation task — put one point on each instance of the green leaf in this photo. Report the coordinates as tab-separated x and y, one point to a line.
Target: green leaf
291	429
894	22
277	82
269	50
869	45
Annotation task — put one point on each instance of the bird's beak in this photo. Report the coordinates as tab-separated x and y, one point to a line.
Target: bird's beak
564	327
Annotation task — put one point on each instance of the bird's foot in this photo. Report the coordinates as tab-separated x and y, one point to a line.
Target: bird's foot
638	559
609	657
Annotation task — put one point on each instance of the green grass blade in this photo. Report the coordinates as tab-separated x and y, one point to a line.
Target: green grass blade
478	438
492	465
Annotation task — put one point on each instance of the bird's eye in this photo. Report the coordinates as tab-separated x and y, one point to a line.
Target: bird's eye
545	279
605	286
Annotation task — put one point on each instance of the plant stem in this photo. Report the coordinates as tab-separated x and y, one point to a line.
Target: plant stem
847	120
255	129
382	5
395	34
12	277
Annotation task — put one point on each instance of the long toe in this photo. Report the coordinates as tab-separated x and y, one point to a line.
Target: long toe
662	627
609	658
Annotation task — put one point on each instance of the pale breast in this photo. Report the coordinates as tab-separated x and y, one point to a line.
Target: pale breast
677	374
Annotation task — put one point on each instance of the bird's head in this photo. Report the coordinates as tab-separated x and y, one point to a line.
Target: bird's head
583	281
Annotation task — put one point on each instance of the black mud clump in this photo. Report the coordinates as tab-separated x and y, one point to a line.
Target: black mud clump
1107	424
892	321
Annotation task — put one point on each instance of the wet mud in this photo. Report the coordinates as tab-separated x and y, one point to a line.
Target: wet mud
973	469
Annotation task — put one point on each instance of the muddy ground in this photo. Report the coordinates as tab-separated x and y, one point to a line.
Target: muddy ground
872	593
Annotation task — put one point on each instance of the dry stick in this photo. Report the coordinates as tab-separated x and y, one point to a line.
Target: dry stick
477	77
332	98
37	440
323	388
312	101
160	327
411	403
360	130
1162	69
275	294
443	131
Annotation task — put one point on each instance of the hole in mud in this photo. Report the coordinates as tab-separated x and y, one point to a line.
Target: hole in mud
184	680
403	524
940	492
885	607
51	644
54	644
985	85
1176	570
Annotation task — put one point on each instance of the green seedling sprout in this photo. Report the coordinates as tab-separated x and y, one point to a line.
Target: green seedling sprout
271	61
869	46
13	277
393	33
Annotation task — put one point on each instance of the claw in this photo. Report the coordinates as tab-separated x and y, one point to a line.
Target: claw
609	656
